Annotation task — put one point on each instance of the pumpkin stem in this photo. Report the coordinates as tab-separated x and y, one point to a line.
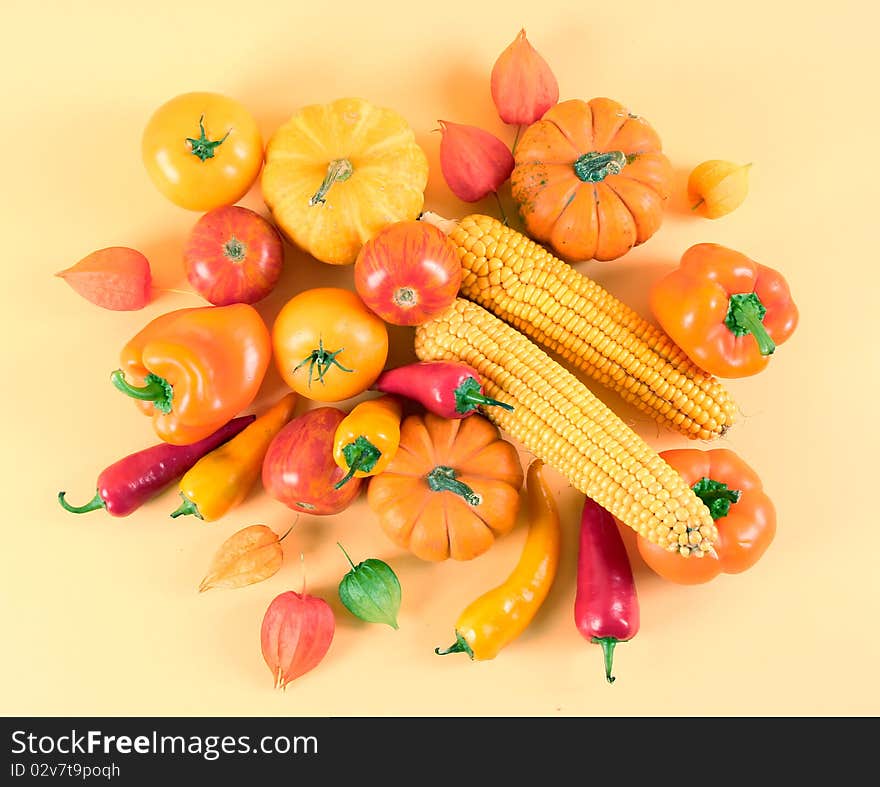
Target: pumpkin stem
595	167
339	169
444	479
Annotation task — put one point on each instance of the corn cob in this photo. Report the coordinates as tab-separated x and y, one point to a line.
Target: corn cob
569	314
557	418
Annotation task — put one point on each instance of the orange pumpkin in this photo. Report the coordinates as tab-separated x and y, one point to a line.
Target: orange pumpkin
451	489
591	180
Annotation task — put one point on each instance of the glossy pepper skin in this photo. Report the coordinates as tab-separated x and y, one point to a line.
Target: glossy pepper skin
450	389
367	438
192	370
727	312
743	513
223	478
127	484
498	617
606	606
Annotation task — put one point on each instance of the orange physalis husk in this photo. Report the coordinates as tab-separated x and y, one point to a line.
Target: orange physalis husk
296	635
116	278
248	556
523	86
716	188
474	162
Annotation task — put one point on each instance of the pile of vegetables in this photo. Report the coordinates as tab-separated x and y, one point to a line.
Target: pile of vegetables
502	321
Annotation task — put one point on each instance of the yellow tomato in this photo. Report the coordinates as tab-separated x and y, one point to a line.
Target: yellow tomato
202	150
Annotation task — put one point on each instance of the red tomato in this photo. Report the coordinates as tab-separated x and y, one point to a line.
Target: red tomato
233	255
408	273
299	469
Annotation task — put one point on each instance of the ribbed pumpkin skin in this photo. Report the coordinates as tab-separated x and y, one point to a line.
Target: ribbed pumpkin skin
582	220
387	183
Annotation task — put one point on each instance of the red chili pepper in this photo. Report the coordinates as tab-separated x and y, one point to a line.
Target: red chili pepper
446	388
128	483
606	607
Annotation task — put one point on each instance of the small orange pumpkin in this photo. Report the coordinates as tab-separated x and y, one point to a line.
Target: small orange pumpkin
591	180
451	489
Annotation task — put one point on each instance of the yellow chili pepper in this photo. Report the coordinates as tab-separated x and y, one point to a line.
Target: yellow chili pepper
367	438
499	616
221	480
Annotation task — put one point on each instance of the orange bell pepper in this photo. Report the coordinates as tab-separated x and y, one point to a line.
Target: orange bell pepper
727	312
194	369
744	515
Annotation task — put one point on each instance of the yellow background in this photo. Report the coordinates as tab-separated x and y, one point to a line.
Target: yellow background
101	615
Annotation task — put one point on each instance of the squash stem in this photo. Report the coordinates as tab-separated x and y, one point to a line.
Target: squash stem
594	167
445	479
338	170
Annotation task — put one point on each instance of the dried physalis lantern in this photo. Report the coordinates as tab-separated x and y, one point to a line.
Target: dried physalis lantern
251	555
716	188
523	86
296	635
474	162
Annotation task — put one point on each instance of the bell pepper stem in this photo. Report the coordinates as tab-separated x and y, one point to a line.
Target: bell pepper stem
93	505
186	508
360	454
338	170
468	396
607	644
156	390
445	479
745	314
717	496
459	646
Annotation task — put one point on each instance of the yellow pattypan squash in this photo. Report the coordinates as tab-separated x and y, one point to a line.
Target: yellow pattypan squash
336	174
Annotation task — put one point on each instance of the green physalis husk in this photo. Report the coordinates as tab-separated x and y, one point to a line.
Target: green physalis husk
371	591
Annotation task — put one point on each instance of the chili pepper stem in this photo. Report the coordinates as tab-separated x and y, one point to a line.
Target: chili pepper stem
186	508
93	505
156	390
445	479
608	644
468	396
745	314
459	646
360	454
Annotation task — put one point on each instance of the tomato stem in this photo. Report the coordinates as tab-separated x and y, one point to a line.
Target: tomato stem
234	249
338	170
321	360
204	147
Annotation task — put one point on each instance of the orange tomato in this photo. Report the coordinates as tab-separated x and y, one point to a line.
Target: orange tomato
744	515
328	345
202	150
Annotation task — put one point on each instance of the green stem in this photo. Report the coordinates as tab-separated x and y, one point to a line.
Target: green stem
697	204
351	562
186	508
717	496
595	167
234	250
360	454
515	139
459	646
745	314
204	147
338	170
444	479
500	209
468	396
93	505
156	390
607	644
321	360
